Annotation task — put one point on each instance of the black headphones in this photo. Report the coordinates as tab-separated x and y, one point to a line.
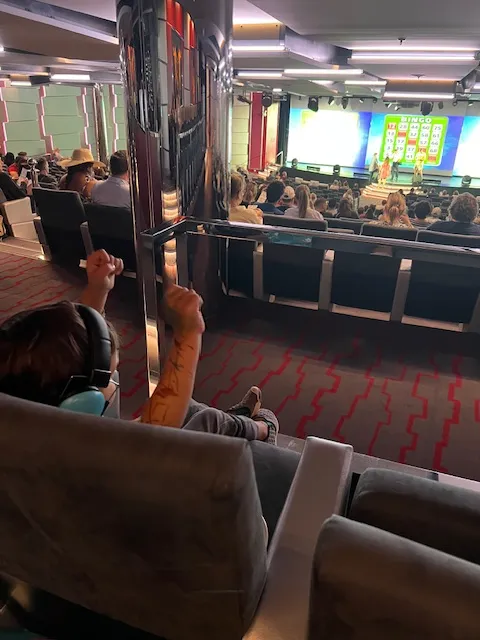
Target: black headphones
81	393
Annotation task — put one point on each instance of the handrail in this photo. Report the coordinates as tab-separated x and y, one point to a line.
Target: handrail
324	240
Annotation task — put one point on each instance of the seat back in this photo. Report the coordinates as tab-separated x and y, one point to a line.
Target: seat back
451	239
440	291
399	233
61	213
368	583
294	223
344	223
158	528
111	228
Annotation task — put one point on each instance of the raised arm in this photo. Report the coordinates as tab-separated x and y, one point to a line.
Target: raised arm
102	269
169	403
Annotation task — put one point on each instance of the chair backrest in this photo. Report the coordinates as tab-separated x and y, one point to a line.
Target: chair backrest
379	231
452	239
111	228
294	223
158	528
443	292
368	583
344	223
61	213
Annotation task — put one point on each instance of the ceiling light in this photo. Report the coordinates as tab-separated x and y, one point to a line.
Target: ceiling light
259	74
407	95
323	72
20	83
367	83
322	82
72	77
2	49
331	100
238	48
406	47
277	90
425	57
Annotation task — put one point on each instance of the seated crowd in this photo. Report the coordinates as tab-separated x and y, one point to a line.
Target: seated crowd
80	173
249	201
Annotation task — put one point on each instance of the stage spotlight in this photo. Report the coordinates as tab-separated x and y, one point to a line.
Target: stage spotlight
313	104
267	100
455	103
375	100
345	101
361	100
331	100
440	105
426	108
388	105
397	107
471	103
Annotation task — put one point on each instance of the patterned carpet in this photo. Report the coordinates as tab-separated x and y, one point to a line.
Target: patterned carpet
408	394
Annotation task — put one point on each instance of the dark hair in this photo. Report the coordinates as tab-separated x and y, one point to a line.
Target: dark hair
345	209
41	349
384	202
456	193
332	203
361	211
22	154
464	208
423	209
42	163
118	163
78	168
370	212
320	203
275	191
9	158
21	161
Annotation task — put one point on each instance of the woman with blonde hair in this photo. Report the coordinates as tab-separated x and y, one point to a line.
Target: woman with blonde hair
385	170
302	205
395	212
250	195
238	211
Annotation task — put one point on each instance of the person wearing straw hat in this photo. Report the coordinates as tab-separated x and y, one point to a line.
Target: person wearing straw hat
79	176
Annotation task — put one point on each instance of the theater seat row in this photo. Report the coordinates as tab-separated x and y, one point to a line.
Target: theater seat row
123	555
372	278
65	227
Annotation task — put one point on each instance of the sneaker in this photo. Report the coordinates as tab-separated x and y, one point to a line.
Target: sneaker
267	416
250	404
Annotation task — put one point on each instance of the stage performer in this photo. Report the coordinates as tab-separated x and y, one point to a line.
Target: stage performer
397	158
384	171
373	167
418	168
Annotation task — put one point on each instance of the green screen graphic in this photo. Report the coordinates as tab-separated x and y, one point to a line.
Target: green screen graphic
407	135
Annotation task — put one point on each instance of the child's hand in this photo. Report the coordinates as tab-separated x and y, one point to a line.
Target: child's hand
102	268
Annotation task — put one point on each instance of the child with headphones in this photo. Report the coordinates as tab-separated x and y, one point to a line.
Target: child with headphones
65	355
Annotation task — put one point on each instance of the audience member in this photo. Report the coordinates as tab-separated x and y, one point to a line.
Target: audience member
44	352
463	211
283	174
251	192
8	159
275	192
346	210
437	213
45	180
335	186
345	184
321	205
370	212
444	193
79	176
394	214
302	208
9	188
15	169
361	212
238	212
313	199
288	198
115	190
423	214
411	197
331	211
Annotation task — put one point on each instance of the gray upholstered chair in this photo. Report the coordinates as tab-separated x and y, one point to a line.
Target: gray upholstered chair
139	530
370	584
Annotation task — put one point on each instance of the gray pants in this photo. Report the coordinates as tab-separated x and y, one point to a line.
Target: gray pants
201	417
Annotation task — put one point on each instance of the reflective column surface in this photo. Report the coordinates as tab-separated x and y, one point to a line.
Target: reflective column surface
176	64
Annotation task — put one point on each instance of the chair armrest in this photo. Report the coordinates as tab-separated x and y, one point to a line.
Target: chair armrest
42	238
317	492
87	239
17	211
